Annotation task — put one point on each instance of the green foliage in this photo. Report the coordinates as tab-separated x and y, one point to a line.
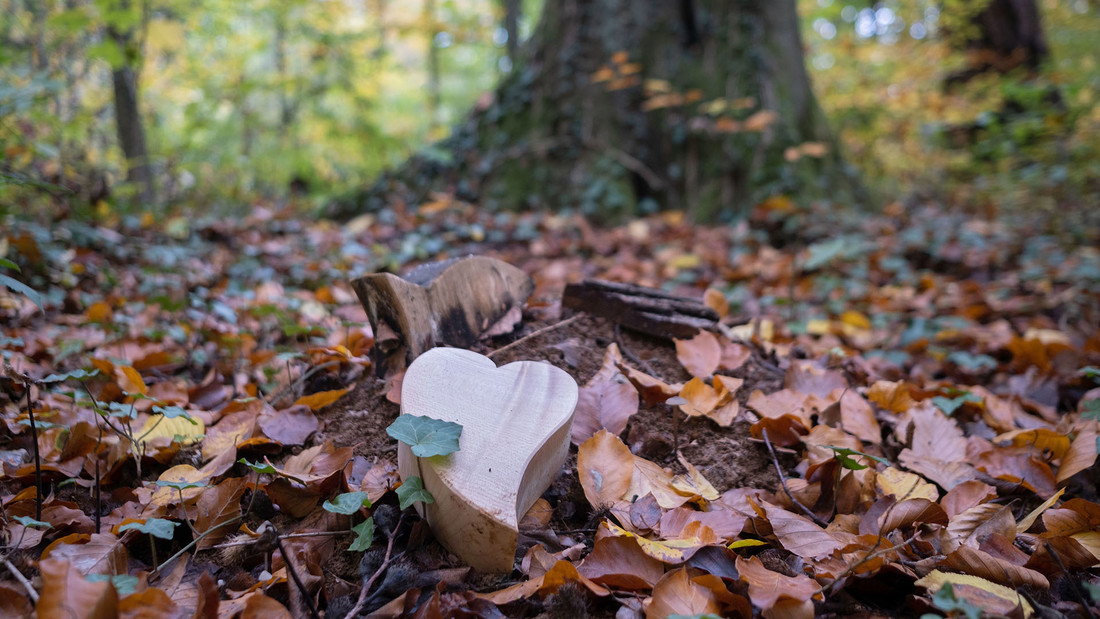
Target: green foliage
347	503
844	456
17	286
157	527
951	404
124	584
364	535
31	523
412	490
945	600
426	436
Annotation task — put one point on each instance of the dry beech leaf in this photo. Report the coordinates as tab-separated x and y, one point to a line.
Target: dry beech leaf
290	426
911	512
807	377
650	478
321	399
890	396
1081	454
64	589
129	380
152	603
98	553
677	594
606	402
218	505
857	416
966	495
734	355
989	596
799	534
700	355
652	390
902	485
768	588
716	301
228	432
619	562
973	561
1028	520
961	530
605	467
1045	441
671	551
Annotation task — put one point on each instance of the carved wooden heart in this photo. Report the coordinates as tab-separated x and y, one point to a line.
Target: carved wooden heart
515	420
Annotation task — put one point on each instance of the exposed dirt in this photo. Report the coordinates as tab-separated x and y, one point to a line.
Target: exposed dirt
726	456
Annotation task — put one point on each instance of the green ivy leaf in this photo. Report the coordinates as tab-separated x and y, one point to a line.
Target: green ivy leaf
23	289
1091	409
124	583
950	405
412	490
427	437
844	455
77	374
364	535
31	523
946	601
347	503
180	485
157	527
171	412
259	467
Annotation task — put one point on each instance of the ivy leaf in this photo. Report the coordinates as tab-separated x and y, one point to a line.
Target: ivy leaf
347	503
31	523
259	467
945	600
157	527
77	374
124	583
950	405
1092	409
844	455
411	491
427	437
171	412
23	289
180	485
364	535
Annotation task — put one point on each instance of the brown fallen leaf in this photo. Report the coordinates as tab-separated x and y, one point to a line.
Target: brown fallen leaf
65	591
700	355
606	402
605	467
619	563
678	594
799	534
768	589
290	426
983	565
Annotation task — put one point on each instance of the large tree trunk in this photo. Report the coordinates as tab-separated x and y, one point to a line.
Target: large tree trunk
617	106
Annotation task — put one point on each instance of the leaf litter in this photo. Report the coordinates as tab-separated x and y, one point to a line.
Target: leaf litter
917	414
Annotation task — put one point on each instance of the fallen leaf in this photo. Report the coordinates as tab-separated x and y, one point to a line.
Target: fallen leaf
321	399
290	426
605	467
67	594
606	402
768	588
700	355
677	594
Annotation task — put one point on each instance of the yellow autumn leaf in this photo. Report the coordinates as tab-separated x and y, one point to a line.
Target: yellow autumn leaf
321	399
855	319
903	485
976	590
746	543
129	380
1024	524
669	551
189	431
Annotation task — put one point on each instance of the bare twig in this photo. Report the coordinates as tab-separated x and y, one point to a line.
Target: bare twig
783	480
306	597
157	570
37	459
1073	583
386	561
534	334
629	354
16	574
292	387
874	553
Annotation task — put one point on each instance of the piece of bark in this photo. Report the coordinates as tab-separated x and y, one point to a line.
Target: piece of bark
648	310
516	422
448	303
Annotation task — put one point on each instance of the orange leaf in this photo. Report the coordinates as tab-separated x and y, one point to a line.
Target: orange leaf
321	399
799	534
99	312
606	402
1081	454
64	590
767	588
677	594
605	467
129	380
716	301
984	565
700	355
620	563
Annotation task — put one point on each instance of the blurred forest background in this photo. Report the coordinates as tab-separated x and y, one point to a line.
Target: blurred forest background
309	100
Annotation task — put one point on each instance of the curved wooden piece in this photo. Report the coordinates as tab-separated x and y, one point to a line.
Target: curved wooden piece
516	421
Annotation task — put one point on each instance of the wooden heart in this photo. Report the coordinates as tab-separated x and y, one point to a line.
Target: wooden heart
516	422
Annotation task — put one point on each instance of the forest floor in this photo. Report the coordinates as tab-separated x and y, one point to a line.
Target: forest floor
928	384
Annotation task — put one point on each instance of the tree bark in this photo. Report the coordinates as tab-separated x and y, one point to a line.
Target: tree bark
617	107
131	132
1009	35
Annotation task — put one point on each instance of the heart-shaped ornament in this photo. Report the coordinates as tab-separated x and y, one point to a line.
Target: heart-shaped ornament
516	422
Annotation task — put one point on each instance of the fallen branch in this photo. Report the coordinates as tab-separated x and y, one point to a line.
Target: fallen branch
534	334
783	480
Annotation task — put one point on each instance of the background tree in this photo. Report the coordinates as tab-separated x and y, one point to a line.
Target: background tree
620	104
122	23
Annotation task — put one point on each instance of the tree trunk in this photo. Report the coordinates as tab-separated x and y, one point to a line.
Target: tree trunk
623	106
131	133
512	11
1009	35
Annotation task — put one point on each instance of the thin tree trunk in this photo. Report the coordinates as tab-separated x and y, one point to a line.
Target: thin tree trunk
434	96
131	132
512	11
